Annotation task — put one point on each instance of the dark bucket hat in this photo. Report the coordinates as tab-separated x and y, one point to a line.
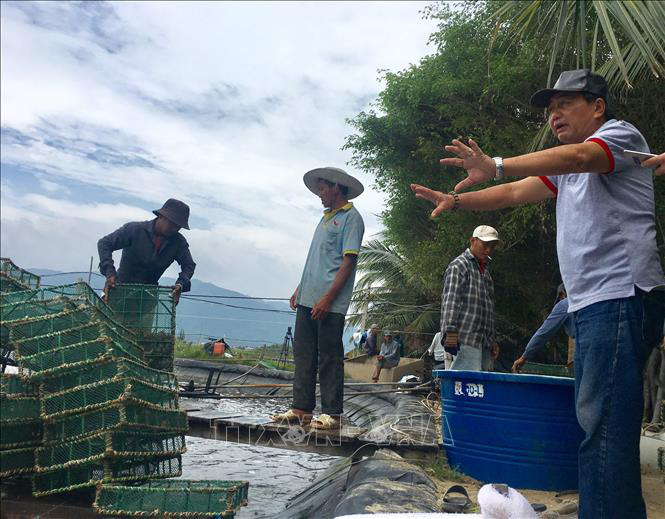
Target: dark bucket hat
582	80
175	211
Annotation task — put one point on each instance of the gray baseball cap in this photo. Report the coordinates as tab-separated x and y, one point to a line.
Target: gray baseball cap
582	80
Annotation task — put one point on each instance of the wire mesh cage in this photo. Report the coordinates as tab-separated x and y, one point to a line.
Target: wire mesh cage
93	473
145	309
13	385
19	408
117	415
109	445
106	368
17	461
78	293
105	392
173	498
9	271
14	435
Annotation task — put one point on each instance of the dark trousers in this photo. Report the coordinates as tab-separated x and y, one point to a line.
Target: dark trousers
317	346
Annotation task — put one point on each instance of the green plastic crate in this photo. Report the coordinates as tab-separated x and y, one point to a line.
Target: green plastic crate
14	409
107	471
112	417
21	434
173	498
108	445
106	368
17	461
100	394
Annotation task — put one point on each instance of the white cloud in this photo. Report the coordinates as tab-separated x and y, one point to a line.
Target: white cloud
222	104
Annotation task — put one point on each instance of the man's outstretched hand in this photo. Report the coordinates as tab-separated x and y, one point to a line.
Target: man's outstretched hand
480	167
442	201
657	162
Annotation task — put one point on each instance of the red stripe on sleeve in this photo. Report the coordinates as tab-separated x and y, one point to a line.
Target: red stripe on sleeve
606	148
549	184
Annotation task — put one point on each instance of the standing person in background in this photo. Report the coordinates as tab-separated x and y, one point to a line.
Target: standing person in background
398	340
322	299
467	304
558	318
148	249
608	257
388	357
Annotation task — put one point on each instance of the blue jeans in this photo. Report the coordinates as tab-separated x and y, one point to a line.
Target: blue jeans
609	359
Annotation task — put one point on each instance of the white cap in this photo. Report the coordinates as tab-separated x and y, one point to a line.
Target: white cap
486	233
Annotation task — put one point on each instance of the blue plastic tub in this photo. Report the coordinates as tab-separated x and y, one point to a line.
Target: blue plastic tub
515	429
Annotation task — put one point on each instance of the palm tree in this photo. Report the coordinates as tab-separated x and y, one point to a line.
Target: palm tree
624	40
390	293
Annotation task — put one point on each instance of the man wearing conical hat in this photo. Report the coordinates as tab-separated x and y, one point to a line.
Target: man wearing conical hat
323	297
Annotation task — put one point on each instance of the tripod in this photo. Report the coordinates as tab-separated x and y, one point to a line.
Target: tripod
284	353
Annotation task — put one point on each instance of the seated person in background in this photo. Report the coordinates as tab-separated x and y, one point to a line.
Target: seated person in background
558	317
388	357
442	359
369	341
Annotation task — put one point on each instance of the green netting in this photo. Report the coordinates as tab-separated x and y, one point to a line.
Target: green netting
553	370
11	384
144	308
106	445
160	362
10	270
56	362
17	461
8	285
106	368
174	498
115	416
78	292
106	471
83	314
14	312
19	408
100	394
22	434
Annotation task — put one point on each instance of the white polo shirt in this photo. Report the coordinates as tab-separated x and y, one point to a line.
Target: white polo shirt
606	228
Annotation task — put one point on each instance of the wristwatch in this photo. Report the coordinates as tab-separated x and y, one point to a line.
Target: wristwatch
498	162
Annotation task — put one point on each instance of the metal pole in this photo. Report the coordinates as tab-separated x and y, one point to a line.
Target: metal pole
90	271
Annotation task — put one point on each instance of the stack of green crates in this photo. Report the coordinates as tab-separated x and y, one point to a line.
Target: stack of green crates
20	425
149	312
106	415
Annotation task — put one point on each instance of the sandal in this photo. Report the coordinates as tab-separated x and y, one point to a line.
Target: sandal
325	422
458	502
291	417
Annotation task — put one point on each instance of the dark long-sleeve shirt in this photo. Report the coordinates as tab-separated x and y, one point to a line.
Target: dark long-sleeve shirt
142	261
467	302
558	317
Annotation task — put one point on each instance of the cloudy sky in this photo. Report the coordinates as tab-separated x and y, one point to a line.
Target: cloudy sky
110	108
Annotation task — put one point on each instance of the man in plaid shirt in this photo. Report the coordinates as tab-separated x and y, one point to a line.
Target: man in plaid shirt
467	304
